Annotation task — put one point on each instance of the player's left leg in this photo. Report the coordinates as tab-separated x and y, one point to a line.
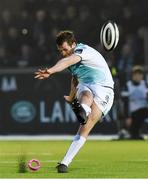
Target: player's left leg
82	106
80	138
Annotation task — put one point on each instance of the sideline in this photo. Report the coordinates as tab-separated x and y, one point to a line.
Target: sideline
53	137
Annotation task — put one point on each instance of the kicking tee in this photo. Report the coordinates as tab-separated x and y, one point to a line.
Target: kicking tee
92	69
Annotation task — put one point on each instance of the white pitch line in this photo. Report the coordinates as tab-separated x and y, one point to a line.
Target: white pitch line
13	162
43	161
29	153
138	160
56	137
53	137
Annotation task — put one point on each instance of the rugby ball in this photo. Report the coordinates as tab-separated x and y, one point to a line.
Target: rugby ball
109	35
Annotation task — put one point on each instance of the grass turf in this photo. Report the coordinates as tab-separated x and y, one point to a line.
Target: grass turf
97	159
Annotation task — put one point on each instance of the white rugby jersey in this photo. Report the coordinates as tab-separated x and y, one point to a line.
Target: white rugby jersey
92	69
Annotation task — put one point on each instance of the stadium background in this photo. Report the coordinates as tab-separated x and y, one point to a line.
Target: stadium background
27	42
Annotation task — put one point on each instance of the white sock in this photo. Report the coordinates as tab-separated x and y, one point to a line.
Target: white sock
86	108
75	146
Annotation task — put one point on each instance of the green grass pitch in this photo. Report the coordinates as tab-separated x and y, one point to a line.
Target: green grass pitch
97	159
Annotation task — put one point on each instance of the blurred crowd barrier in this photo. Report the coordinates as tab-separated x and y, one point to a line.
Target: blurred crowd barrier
30	106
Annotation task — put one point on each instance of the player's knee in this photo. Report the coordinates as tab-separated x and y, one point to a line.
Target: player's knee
92	120
86	93
86	96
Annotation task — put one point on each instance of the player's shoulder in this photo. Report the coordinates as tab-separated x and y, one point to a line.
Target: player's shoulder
129	83
80	48
144	83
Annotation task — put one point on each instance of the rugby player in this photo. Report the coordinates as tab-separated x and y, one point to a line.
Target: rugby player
92	88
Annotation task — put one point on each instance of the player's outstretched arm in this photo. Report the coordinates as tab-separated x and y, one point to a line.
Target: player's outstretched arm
59	66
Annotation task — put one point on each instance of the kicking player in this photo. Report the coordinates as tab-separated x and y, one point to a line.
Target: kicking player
91	95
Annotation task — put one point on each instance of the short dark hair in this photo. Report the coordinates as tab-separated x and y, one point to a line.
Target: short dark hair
137	69
65	36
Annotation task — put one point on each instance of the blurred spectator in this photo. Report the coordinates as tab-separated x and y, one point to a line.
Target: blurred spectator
125	63
25	24
2	39
41	50
3	57
31	6
13	42
41	24
6	20
135	100
26	56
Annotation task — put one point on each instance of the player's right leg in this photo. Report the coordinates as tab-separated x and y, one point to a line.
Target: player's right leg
80	138
82	109
94	117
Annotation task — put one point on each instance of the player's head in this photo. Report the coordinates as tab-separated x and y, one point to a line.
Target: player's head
66	42
137	73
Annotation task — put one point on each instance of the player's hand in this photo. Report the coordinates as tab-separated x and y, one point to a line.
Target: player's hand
42	74
68	99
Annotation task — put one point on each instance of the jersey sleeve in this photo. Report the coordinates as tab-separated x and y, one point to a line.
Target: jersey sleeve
82	52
